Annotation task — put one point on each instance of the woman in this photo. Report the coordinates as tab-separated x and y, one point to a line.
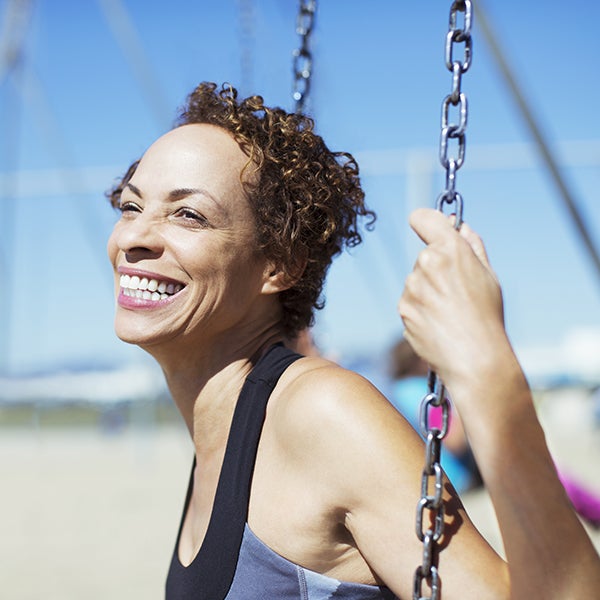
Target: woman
228	225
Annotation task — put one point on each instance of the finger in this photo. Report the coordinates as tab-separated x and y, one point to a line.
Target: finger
476	244
430	224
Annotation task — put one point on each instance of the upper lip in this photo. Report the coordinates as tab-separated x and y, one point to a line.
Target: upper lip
147	274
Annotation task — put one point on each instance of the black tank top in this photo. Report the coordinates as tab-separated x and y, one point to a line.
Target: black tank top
210	574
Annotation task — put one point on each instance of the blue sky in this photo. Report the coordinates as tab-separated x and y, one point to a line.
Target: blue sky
77	113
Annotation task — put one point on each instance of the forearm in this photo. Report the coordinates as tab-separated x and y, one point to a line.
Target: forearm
548	551
452	311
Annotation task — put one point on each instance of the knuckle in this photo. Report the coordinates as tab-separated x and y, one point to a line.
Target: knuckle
411	286
431	259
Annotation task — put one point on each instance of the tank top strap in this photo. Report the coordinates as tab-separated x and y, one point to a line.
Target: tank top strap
210	574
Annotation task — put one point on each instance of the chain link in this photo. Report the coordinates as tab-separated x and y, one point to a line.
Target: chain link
303	61
429	530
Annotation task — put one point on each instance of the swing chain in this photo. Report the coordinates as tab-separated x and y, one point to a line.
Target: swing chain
436	398
456	36
302	63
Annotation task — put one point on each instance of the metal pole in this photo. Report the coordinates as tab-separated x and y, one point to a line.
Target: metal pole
123	28
13	33
535	130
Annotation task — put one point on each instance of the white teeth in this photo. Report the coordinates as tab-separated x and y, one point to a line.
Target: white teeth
147	289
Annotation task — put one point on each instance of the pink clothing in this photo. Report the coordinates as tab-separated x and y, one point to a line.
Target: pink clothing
585	503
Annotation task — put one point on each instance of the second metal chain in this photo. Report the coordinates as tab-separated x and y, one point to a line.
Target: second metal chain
302	64
429	531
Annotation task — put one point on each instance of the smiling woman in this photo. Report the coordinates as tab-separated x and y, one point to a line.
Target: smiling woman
323	186
305	477
185	222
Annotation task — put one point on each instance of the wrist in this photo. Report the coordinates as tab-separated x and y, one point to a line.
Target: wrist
491	386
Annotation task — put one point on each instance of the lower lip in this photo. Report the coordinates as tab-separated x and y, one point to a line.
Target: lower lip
133	303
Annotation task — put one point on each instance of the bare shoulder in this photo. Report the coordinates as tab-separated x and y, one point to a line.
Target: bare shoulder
335	408
325	389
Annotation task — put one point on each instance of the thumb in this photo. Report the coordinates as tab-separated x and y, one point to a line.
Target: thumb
430	224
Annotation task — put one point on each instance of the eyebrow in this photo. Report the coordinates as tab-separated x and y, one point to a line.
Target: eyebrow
180	193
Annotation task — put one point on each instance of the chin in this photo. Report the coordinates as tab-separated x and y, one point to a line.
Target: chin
148	336
131	338
131	334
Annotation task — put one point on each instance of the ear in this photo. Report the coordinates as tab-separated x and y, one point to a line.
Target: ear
278	278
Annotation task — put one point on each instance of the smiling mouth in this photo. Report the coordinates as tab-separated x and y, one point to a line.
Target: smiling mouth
148	289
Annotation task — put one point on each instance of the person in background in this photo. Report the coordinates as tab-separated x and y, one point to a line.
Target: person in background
409	373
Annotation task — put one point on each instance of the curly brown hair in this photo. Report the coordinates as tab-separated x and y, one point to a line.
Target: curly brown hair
307	200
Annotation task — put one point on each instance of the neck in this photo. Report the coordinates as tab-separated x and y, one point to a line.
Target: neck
205	381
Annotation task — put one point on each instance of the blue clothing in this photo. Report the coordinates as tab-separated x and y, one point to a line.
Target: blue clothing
232	563
262	573
406	396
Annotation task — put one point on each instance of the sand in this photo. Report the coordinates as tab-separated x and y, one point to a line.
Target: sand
91	514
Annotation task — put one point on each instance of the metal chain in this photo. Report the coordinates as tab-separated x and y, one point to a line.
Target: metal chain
456	35
431	501
303	61
246	27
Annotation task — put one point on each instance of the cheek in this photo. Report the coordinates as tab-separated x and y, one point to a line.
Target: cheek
112	248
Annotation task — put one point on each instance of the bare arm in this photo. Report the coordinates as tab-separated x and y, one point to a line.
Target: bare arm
368	460
452	311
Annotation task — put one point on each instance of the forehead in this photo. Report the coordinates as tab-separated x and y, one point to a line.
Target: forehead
193	155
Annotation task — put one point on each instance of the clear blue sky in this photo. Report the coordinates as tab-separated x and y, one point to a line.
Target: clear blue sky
379	78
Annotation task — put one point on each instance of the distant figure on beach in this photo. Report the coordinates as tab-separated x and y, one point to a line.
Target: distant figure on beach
409	374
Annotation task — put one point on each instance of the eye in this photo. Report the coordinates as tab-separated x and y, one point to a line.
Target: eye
129	206
192	216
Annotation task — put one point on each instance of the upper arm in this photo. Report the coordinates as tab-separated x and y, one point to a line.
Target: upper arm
372	460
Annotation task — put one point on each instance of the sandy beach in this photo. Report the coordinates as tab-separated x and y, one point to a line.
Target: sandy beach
92	513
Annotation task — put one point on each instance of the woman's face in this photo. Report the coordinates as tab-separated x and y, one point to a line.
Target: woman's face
184	251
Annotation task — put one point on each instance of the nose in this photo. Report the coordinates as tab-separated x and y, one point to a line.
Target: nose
138	236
